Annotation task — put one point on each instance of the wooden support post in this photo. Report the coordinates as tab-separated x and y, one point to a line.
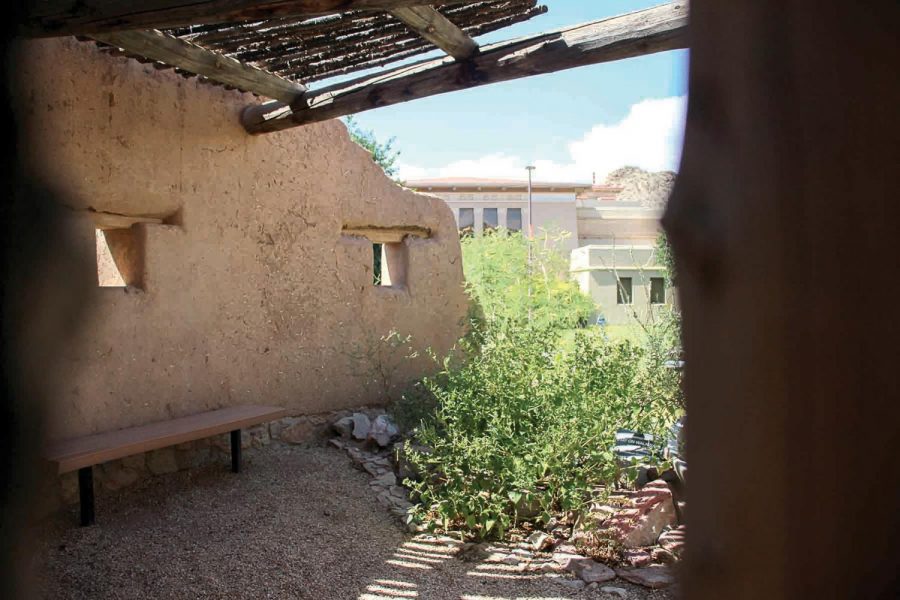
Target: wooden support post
437	29
196	59
784	222
636	34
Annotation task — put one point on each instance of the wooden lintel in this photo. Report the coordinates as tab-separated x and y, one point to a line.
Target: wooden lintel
43	18
195	59
386	235
644	32
437	29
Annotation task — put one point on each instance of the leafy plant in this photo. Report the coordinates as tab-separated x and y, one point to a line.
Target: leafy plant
522	430
513	292
383	153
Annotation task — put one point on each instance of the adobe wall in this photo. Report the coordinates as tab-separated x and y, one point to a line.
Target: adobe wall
250	293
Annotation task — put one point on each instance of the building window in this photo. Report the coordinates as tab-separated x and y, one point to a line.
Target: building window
514	219
657	290
466	221
623	290
389	264
490	219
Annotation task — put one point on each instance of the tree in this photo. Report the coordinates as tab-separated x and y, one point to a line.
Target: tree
382	153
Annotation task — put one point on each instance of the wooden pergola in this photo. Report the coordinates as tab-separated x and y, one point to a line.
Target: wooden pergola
276	48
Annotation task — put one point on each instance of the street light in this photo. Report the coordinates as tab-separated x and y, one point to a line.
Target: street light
530	168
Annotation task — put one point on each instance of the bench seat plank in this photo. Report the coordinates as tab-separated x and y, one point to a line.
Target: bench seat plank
76	453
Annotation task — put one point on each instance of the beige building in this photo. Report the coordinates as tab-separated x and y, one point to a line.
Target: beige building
626	282
611	241
479	204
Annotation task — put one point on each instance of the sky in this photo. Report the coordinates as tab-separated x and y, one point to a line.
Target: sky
569	124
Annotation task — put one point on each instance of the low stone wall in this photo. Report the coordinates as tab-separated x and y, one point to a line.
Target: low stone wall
61	491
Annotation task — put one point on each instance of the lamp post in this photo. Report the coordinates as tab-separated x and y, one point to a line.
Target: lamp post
530	168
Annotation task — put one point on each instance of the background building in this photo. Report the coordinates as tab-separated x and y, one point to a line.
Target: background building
481	203
613	229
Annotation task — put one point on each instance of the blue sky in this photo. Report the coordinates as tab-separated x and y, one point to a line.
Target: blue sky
571	123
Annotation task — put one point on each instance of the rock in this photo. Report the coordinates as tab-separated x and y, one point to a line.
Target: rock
647	514
160	462
614	591
387	479
539	540
673	540
575	584
661	555
399	492
361	426
590	571
301	432
638	558
136	462
383	431
372	469
343	427
654	576
259	436
115	476
339	444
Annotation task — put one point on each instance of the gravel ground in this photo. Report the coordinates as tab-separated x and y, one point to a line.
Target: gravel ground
296	523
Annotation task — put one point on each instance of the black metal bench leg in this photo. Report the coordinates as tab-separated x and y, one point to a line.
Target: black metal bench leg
86	495
236	451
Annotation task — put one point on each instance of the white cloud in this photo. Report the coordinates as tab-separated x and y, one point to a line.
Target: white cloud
649	137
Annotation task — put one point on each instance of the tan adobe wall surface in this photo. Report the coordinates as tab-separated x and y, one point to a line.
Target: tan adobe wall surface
250	294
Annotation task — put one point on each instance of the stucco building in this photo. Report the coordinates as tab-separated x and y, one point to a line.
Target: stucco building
611	240
224	268
480	204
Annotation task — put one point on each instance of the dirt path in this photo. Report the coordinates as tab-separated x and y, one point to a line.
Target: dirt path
297	523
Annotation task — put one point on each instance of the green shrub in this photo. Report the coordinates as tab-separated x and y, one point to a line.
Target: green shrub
510	292
523	428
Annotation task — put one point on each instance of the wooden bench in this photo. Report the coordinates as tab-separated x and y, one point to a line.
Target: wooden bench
81	454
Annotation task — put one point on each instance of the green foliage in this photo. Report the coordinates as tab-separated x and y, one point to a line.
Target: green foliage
523	428
382	153
510	293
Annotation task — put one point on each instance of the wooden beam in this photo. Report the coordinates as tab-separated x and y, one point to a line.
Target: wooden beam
190	57
644	32
86	17
386	235
437	29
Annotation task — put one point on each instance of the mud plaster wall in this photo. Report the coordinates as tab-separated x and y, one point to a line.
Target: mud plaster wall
253	295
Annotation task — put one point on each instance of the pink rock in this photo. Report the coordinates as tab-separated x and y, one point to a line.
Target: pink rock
638	558
590	571
673	540
654	576
643	519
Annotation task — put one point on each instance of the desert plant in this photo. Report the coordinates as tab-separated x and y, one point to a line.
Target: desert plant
523	429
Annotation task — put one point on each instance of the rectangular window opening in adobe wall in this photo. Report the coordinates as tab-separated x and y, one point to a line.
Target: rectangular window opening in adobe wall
389	263
120	257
